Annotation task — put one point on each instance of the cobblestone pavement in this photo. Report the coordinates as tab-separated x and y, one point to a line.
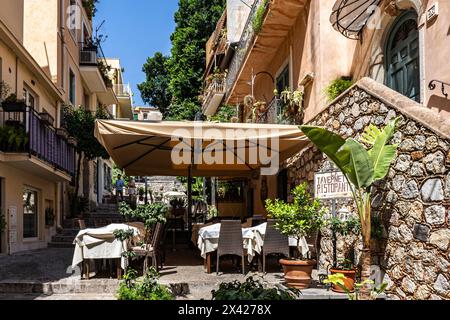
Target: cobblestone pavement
46	271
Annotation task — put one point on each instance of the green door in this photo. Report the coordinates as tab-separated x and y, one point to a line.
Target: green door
403	64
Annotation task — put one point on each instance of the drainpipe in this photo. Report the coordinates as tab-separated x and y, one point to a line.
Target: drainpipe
63	42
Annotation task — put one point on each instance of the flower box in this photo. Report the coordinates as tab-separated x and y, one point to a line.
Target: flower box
17	106
46	118
62	132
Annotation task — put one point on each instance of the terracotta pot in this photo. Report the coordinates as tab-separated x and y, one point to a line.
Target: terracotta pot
349	281
297	273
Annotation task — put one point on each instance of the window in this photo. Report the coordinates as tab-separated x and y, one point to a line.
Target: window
30	213
145	115
29	98
402	56
72	93
283	80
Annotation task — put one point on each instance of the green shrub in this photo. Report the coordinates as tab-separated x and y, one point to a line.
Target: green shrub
149	214
146	289
300	218
2	222
259	17
336	87
251	290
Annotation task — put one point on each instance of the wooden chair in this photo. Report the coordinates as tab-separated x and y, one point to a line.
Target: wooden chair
274	243
230	241
141	238
152	249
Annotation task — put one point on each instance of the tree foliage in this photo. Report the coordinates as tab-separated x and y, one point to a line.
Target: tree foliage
154	90
195	22
80	124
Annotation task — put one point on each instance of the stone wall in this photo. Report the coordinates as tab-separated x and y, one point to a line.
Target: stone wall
412	202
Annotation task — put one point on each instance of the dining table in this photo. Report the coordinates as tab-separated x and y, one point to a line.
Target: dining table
253	242
100	243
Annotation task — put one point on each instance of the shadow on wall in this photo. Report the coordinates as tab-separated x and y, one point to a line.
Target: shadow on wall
439	104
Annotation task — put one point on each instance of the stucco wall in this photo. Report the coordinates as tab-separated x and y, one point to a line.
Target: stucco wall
14	182
11	14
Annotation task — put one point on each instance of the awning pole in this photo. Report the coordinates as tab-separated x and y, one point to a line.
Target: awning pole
189	211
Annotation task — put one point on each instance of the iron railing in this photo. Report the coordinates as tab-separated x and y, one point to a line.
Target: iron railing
37	138
88	55
217	86
276	114
122	90
241	51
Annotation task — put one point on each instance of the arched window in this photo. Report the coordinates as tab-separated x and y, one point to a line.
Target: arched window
402	56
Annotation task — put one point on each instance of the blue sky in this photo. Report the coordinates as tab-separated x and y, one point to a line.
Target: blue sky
136	30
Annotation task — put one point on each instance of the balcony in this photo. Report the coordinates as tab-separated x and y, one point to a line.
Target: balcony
37	146
277	113
247	39
256	50
214	94
94	72
125	98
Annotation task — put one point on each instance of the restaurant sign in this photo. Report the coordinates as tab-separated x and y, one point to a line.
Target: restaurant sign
331	185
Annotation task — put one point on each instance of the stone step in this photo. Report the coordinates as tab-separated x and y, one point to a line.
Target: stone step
60	244
65	286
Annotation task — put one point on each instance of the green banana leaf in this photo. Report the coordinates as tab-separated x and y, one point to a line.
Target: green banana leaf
383	154
329	143
359	169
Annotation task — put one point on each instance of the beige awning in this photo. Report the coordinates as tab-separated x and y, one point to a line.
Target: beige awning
221	149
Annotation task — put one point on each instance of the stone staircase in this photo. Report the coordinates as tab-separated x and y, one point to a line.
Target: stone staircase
101	216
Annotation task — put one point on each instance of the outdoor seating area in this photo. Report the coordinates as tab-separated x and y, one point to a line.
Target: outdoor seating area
145	248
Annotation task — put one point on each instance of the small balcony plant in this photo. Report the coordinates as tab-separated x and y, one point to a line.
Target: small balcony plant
290	106
12	104
301	218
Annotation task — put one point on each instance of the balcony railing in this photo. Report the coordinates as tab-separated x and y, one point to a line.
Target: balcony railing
276	114
88	55
247	38
122	90
34	136
217	86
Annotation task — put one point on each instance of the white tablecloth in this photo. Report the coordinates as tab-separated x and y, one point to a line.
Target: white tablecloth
100	243
253	240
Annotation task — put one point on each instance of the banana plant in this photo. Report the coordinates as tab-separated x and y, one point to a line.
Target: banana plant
363	163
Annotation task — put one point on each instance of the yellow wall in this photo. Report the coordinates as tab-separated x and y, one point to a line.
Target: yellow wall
11	66
11	14
14	182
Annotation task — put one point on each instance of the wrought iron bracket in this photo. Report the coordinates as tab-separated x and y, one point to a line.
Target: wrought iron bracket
432	86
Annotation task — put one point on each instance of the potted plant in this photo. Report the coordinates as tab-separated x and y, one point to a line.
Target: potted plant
12	104
290	105
62	132
345	266
2	222
298	219
49	217
338	280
